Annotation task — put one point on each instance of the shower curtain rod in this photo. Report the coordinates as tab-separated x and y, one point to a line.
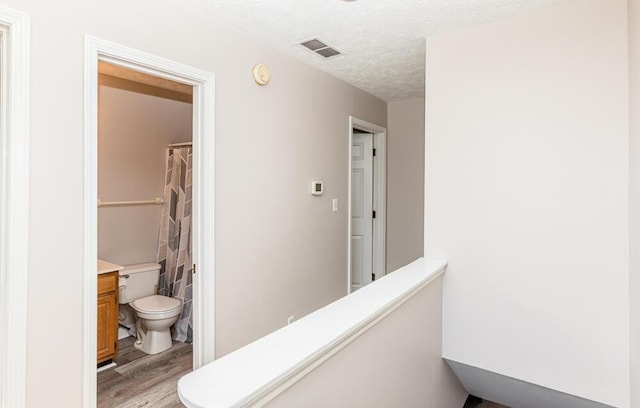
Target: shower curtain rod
181	144
157	200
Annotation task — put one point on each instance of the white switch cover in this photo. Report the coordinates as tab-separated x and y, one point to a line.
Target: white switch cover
335	205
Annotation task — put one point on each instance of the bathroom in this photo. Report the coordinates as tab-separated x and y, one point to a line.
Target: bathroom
144	231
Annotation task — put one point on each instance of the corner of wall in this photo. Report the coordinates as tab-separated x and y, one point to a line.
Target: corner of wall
634	199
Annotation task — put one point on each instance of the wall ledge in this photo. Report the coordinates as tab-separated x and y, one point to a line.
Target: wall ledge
257	373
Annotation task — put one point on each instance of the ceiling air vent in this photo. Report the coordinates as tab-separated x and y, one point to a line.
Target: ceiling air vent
320	48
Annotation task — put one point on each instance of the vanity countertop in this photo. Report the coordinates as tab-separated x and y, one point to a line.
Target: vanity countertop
106	267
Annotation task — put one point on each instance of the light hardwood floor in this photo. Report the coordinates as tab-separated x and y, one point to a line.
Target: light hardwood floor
141	380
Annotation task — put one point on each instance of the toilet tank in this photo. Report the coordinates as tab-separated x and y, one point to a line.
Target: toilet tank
137	281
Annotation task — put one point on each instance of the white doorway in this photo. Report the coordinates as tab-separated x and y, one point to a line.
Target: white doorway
367	203
14	204
97	50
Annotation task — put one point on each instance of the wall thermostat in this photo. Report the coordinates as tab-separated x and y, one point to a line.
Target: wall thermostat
317	188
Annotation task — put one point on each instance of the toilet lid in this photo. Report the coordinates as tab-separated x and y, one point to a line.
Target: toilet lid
156	303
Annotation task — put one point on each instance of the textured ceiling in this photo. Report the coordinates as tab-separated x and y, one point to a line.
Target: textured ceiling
382	40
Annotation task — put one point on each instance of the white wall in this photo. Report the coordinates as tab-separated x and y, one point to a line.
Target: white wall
527	196
396	363
270	142
634	196
134	130
405	182
512	392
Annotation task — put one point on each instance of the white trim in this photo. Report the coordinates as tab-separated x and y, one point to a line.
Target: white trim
203	215
14	205
379	197
257	373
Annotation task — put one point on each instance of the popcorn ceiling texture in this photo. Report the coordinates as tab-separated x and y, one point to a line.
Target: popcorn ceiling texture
382	40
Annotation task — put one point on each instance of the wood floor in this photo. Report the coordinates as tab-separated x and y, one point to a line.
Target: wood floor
142	380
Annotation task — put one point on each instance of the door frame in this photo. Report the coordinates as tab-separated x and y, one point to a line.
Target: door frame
202	81
14	204
379	196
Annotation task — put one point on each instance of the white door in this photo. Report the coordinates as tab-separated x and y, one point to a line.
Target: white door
361	210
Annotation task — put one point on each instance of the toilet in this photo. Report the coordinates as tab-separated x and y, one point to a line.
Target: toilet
154	314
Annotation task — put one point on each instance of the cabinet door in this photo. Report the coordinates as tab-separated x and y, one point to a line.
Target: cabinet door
107	326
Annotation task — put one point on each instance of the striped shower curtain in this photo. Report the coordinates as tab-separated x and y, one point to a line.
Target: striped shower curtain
174	242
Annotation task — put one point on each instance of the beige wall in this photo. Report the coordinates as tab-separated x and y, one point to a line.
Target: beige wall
634	196
405	182
527	183
270	142
396	363
134	130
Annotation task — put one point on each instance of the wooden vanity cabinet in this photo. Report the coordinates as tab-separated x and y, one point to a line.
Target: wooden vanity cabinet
107	316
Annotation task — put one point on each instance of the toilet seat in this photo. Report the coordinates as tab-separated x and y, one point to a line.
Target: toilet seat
156	307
